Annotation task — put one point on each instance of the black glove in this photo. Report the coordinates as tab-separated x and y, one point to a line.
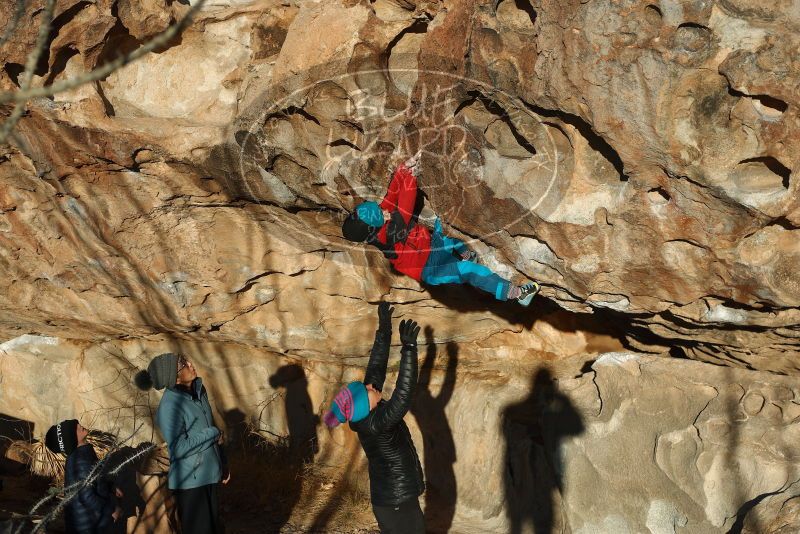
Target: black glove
385	317
408	332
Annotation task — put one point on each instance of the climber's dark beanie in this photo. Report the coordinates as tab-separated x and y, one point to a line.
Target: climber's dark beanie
355	230
161	373
63	437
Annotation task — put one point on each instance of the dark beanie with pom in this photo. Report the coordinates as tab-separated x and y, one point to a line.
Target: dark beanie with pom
161	373
63	437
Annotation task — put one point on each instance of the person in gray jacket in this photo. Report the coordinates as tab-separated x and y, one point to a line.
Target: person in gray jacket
195	457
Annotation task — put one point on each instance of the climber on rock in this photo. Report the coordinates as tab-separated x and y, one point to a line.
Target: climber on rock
414	250
395	474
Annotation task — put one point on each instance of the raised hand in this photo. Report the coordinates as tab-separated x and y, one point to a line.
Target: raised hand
409	330
413	163
385	316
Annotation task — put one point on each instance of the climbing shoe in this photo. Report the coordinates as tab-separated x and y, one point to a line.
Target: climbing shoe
528	291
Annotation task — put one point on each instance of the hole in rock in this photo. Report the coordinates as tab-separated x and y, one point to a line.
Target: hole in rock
586	367
653	11
118	42
596	141
658	196
55	26
294	110
692	37
14	70
677	352
781	222
60	63
694	26
500	114
773	165
769	106
772	102
344	142
401	56
653	17
516	13
107	106
419	26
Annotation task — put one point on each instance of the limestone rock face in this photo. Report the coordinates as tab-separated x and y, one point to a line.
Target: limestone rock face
637	159
640	160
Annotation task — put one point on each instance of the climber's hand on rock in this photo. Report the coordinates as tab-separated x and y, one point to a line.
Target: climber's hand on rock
385	317
412	163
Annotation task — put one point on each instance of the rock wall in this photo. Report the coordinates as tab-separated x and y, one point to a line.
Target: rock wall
637	158
626	443
634	157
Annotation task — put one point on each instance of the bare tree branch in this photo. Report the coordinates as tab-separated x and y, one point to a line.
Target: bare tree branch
30	66
101	72
72	491
12	24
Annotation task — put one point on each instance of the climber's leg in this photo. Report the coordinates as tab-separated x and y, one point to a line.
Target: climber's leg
450	244
444	268
483	278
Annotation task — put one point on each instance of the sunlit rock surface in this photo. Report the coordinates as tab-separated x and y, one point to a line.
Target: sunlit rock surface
638	159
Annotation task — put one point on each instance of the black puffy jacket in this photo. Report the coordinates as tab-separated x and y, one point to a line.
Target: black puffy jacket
395	474
88	512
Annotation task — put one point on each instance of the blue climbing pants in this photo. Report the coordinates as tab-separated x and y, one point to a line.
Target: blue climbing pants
443	267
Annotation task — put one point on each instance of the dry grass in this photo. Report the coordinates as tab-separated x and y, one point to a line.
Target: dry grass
273	490
45	463
42	461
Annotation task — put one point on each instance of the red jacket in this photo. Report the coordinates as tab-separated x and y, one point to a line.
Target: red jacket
413	252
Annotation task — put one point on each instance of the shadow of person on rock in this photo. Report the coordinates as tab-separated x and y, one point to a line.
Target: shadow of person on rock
533	468
300	417
437	438
302	443
235	428
126	462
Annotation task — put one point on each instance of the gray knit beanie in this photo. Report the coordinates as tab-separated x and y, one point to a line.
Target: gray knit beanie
161	373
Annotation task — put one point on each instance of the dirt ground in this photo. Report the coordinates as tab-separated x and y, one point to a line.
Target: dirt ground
273	490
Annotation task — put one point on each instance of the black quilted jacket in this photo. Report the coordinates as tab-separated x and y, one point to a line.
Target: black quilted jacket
395	474
89	511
